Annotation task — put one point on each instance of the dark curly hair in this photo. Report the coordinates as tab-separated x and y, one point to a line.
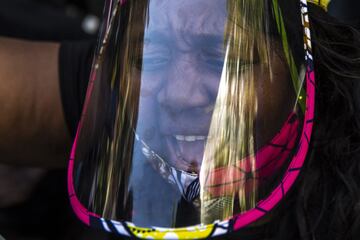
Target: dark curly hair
325	204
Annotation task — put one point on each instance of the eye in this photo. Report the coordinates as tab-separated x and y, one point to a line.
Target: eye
154	57
213	59
154	61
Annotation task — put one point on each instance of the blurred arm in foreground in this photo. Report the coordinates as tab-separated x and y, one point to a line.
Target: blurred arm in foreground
32	125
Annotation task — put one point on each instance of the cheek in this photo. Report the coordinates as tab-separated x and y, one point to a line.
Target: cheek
276	99
148	118
150	83
211	81
147	97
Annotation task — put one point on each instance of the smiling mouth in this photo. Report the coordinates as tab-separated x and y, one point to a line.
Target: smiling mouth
185	152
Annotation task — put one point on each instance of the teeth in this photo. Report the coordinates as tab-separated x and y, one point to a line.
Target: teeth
200	138
180	137
189	138
146	152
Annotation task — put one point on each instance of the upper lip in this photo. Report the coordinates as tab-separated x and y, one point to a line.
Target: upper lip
184	132
187	125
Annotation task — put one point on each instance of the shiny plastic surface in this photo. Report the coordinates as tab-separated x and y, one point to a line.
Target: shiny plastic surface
195	110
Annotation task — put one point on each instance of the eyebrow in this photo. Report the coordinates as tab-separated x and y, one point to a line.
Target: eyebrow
196	40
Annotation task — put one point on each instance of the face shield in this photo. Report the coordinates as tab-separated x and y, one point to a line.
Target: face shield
198	114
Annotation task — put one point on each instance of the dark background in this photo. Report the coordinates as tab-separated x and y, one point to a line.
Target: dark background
346	10
48	19
39	209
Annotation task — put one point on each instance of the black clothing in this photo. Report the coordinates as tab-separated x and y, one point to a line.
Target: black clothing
40	20
75	60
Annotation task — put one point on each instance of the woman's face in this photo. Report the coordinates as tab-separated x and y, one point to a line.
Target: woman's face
182	65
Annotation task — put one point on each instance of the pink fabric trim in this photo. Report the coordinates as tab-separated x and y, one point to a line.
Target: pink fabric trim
82	213
252	215
269	159
241	220
78	208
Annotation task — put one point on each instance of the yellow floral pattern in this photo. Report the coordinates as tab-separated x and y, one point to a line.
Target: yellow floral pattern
195	232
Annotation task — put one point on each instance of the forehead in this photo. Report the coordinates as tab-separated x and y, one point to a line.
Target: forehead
191	16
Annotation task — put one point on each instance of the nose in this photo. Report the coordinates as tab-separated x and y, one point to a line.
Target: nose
184	87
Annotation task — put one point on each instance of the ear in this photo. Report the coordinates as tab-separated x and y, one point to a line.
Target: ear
321	3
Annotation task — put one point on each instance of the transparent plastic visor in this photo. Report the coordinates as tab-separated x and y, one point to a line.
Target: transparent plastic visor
195	111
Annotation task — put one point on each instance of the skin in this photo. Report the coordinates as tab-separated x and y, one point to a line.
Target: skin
32	125
178	90
182	64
